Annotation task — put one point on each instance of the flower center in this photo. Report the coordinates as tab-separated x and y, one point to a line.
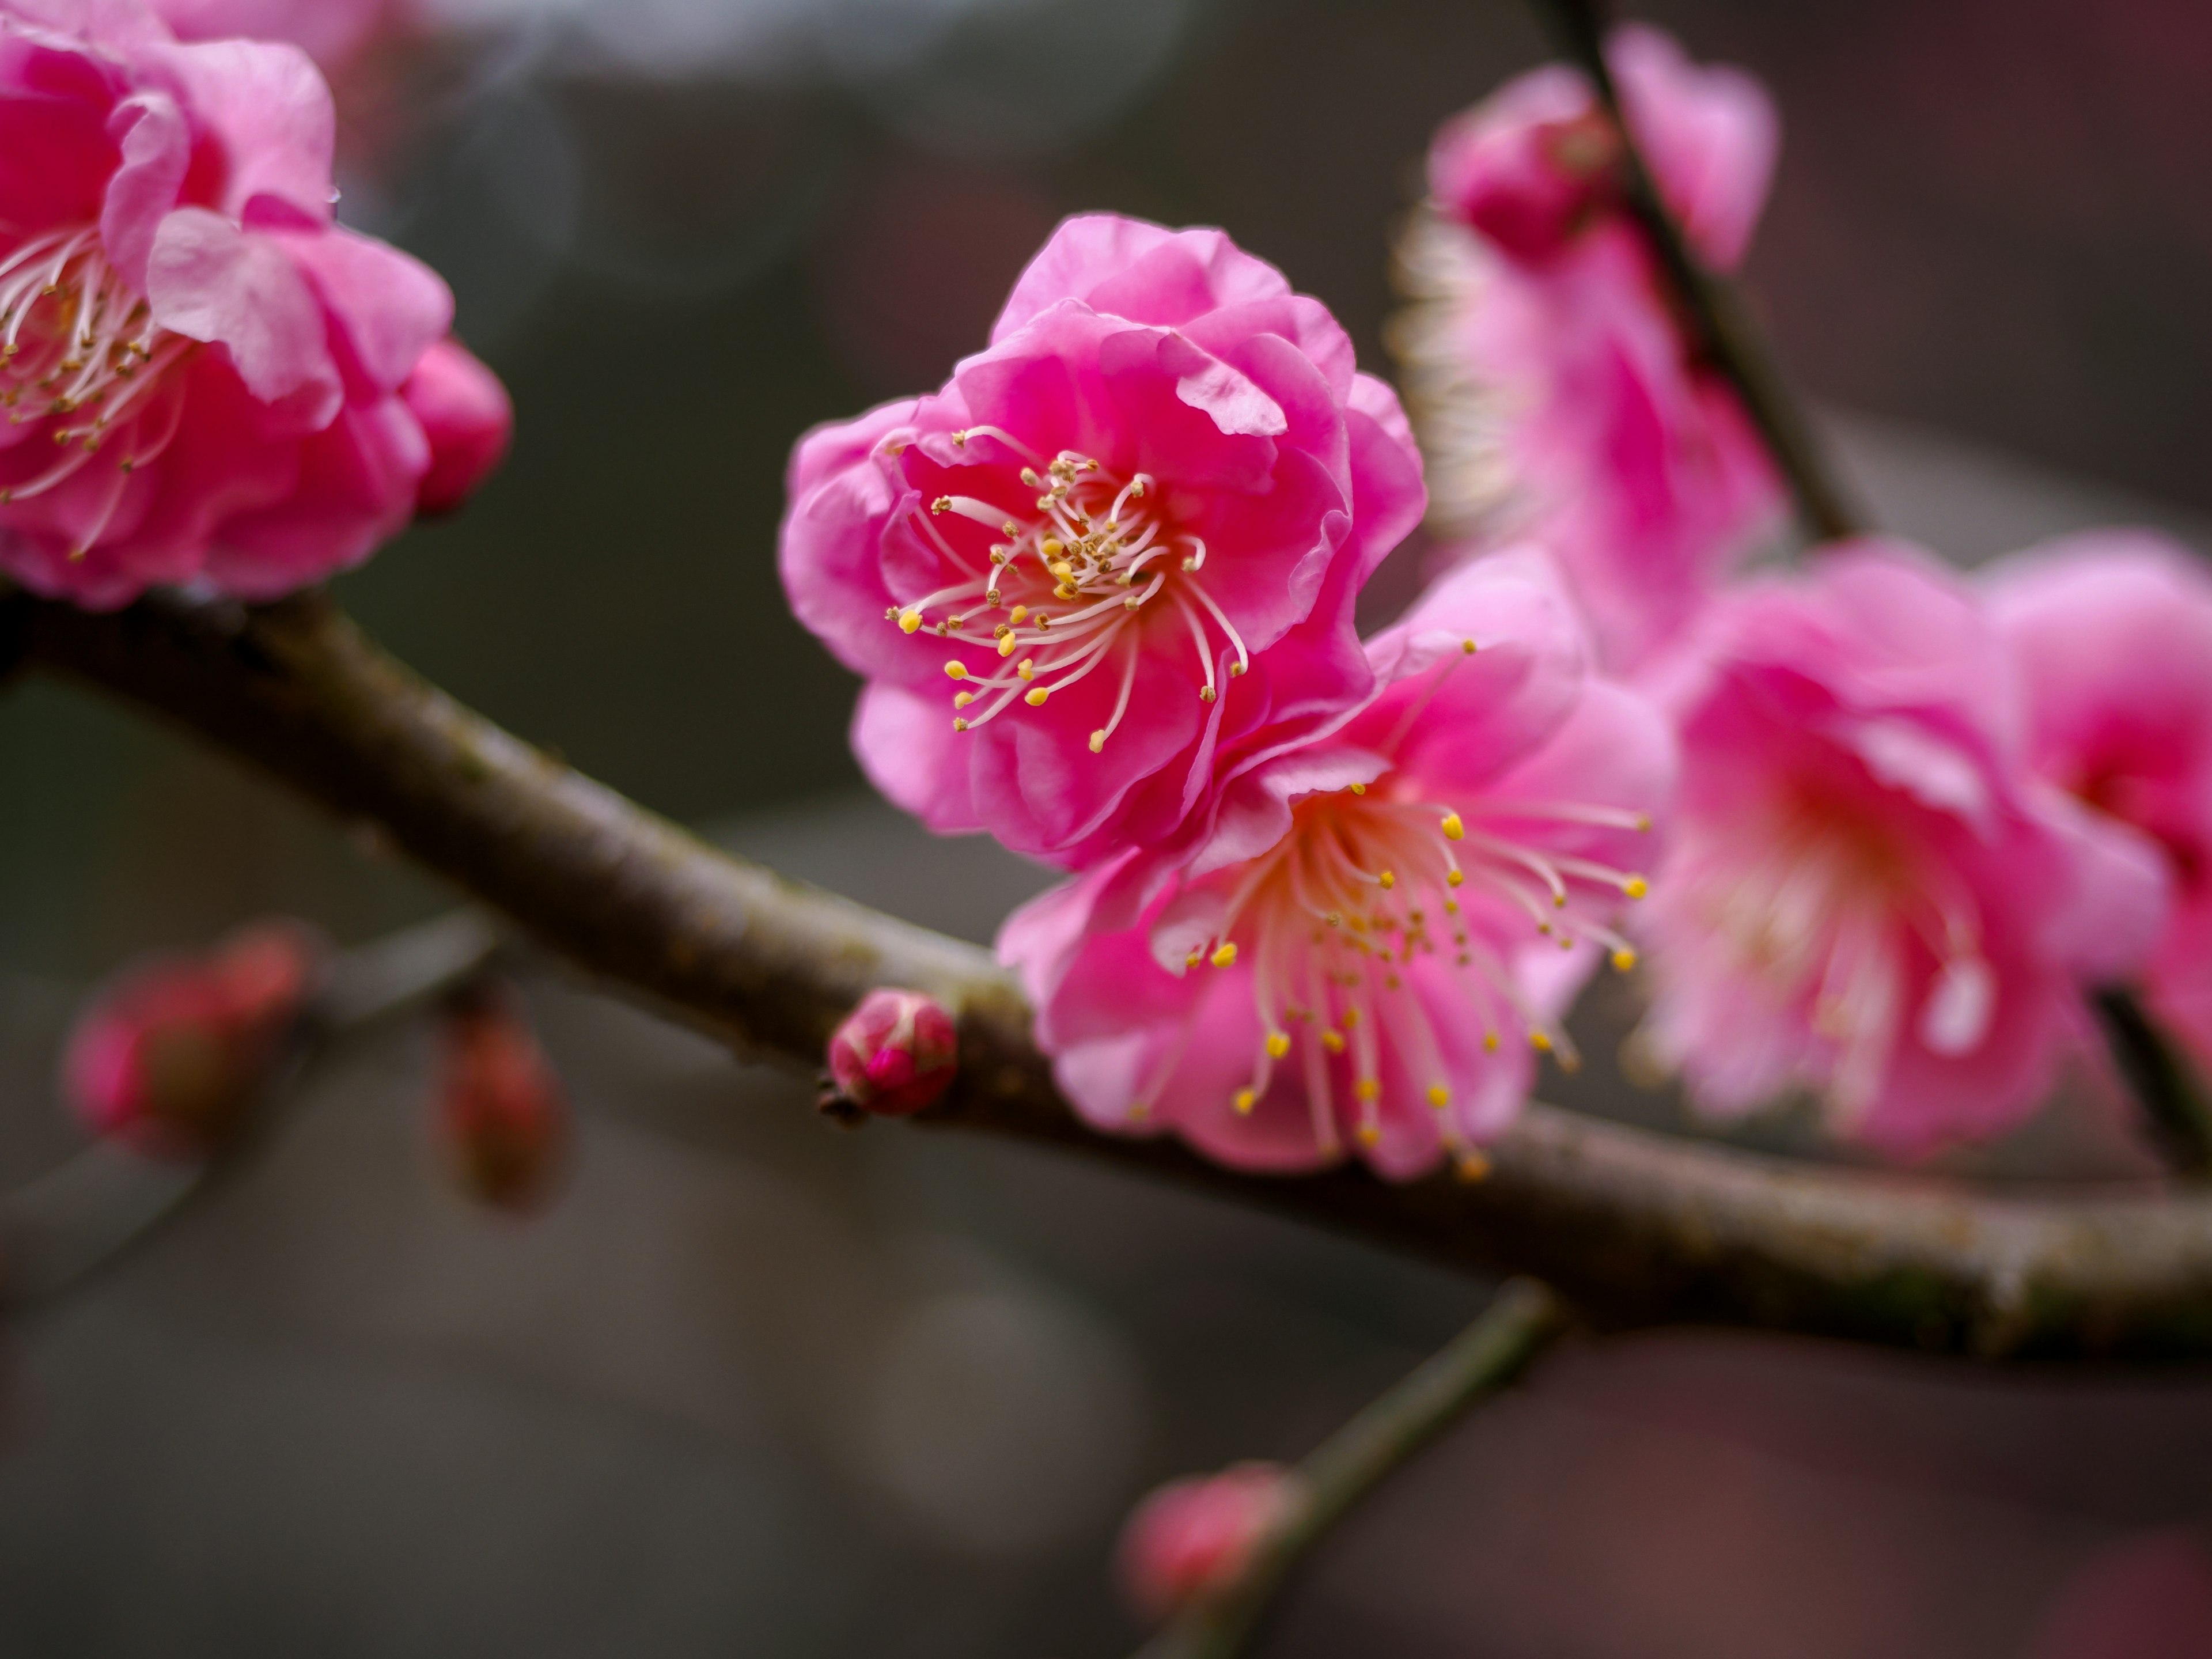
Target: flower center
1827	911
1063	587
1369	883
79	348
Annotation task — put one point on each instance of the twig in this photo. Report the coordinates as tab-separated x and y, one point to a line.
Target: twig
90	1212
2171	1095
1726	336
1633	1227
1520	1320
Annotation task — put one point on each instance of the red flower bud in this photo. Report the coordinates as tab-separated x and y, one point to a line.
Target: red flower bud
1193	1538
895	1053
500	1114
466	415
169	1054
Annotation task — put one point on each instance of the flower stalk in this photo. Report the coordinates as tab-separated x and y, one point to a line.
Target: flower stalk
1522	1320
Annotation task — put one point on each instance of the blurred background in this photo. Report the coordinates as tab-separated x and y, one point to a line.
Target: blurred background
758	1386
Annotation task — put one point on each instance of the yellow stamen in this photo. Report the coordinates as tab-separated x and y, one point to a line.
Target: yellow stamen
1279	1044
1439	1096
1389	879
1035	698
1225	956
1097	741
1455	829
1455	878
1624	959
909	621
962	699
1540	1042
957	670
1636	887
1369	1088
1369	1133
1472	1166
1245	1101
1026	668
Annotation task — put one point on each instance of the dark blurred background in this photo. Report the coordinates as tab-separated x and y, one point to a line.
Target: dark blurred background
759	1387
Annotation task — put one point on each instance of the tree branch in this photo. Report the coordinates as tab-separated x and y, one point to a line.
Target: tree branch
1520	1320
1635	1227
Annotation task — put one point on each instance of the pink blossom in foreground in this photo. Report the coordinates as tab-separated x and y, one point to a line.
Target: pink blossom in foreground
331	32
1385	922
169	1056
203	372
500	1112
1867	893
895	1053
468	418
2112	633
1114	560
1193	1538
1555	395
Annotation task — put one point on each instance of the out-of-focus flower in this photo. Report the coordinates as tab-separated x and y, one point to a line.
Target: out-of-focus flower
169	1056
331	32
1549	377
1193	1538
467	417
1129	532
201	370
895	1053
500	1112
2112	633
1867	892
1385	922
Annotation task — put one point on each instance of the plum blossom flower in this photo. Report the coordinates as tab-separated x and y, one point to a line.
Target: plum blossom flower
1548	375
2111	633
1112	560
202	373
499	1112
1386	922
466	415
1866	891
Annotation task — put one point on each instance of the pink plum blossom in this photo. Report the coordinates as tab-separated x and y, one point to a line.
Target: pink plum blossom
2112	633
1867	892
466	415
1113	562
203	372
1554	392
499	1111
1385	922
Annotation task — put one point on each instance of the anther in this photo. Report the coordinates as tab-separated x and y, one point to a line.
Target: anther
1007	644
1207	694
1279	1044
1389	879
959	725
1540	1042
1369	1133
1226	955
957	670
1332	1041
1623	959
1636	887
962	699
1026	668
1471	1166
1439	1096
1370	1090
909	621
1016	615
1455	878
1454	828
1467	645
1245	1101
1489	1043
1036	697
1097	741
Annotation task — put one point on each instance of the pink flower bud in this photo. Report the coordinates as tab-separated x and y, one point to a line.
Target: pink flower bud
895	1053
501	1113
466	414
1193	1538
168	1055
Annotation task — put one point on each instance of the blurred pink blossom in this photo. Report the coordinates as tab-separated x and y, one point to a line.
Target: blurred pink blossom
1867	892
1385	922
202	370
499	1111
1554	392
331	32
895	1053
169	1055
1130	532
2111	632
1194	1537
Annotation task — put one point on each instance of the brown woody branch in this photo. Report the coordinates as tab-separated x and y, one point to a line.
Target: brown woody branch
1637	1228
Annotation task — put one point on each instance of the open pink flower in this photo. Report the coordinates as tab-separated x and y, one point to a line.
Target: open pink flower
1385	921
2111	632
203	372
1555	393
1130	532
1867	892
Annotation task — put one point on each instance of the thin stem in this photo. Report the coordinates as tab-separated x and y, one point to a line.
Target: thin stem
1522	1319
2171	1095
90	1212
1725	335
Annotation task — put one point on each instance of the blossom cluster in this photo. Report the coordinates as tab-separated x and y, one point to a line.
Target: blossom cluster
1331	897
